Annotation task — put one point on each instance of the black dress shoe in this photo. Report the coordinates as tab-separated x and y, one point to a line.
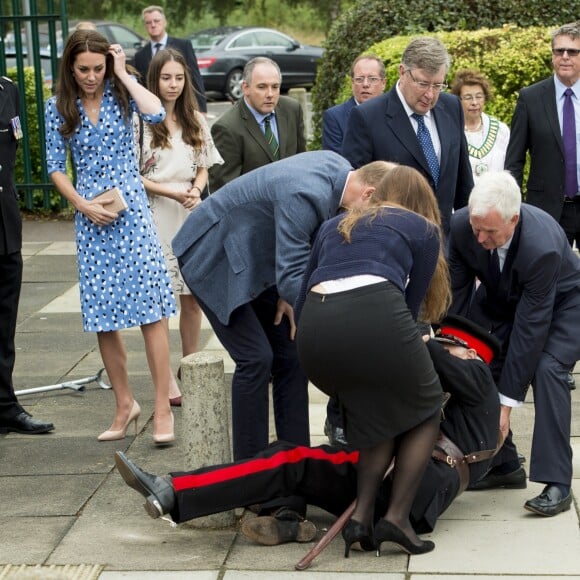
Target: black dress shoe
336	436
271	531
550	502
513	480
571	381
158	492
25	424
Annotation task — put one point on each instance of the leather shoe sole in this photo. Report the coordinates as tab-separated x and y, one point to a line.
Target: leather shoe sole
514	480
158	492
544	506
269	531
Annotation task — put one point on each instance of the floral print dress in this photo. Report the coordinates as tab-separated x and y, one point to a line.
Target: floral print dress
122	273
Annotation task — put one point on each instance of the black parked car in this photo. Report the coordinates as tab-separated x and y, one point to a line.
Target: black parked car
223	52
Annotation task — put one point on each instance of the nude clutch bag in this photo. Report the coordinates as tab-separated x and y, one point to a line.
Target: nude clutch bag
119	204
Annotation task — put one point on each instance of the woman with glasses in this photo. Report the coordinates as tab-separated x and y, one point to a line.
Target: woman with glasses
487	137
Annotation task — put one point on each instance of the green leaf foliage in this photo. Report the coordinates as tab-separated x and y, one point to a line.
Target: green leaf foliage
372	21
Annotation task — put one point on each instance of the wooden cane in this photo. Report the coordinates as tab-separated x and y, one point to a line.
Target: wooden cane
332	531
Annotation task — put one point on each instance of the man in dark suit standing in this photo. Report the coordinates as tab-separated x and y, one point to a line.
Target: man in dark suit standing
538	126
367	76
241	135
243	253
155	23
529	297
13	418
416	124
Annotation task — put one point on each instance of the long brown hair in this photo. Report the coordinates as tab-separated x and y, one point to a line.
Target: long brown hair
67	89
405	187
185	105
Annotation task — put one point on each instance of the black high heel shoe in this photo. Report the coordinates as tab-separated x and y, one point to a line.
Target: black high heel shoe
387	532
353	532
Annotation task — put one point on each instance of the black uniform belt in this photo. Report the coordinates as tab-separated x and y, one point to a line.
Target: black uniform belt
447	452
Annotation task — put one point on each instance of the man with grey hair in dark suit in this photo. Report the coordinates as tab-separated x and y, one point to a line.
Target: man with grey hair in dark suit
417	124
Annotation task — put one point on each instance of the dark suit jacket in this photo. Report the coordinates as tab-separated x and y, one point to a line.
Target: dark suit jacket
538	291
381	130
143	59
334	122
242	144
256	231
535	127
10	221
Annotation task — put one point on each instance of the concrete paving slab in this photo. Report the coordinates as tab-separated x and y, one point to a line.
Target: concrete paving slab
67	493
59	249
486	577
159	575
527	546
31	540
308	575
115	531
248	556
51	269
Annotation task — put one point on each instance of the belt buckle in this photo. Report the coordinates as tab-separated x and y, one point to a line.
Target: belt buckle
451	461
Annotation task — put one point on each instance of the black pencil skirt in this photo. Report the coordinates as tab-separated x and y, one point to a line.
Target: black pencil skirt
363	347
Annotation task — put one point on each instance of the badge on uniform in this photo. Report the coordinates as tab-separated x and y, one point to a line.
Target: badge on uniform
16	127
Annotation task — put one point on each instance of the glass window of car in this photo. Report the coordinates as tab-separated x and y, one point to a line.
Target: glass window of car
123	36
268	38
245	40
205	40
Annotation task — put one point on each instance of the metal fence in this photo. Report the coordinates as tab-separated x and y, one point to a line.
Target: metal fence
30	45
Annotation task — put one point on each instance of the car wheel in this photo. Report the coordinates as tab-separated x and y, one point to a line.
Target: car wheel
234	84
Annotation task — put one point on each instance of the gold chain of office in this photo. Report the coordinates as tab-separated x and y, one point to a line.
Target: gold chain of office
481	151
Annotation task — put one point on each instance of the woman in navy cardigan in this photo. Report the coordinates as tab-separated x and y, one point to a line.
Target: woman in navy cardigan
371	272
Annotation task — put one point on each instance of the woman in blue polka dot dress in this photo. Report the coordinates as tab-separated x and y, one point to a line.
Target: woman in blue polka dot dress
122	273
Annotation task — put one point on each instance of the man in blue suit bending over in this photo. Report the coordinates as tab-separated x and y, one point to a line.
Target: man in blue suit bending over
243	252
417	124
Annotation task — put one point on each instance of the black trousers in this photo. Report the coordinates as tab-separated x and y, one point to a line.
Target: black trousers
10	284
263	353
322	476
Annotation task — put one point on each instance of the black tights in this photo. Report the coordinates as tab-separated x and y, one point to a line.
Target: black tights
411	452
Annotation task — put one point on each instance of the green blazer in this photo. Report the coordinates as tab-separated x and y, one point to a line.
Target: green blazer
242	144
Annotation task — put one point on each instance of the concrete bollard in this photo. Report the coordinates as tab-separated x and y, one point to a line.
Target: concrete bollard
301	96
205	424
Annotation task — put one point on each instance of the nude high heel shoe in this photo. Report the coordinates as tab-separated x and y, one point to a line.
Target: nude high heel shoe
111	435
164	438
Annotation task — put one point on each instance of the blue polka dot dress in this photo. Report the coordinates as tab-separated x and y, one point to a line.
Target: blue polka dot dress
122	274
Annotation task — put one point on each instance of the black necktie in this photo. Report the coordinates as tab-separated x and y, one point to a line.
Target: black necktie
269	134
494	270
156	48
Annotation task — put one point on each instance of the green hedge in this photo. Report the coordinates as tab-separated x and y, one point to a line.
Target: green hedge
510	57
373	21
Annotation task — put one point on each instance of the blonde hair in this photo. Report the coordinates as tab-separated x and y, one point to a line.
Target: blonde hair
406	188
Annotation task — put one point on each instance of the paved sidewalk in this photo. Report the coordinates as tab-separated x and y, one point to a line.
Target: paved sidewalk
63	502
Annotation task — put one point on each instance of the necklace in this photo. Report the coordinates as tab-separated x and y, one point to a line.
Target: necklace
92	105
475	129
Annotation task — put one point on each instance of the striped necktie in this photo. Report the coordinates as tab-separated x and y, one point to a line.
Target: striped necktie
269	134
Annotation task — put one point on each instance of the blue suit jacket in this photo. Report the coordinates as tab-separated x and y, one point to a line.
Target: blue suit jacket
334	123
256	231
539	290
381	130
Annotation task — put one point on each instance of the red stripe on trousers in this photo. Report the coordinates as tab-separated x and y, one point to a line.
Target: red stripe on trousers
253	466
